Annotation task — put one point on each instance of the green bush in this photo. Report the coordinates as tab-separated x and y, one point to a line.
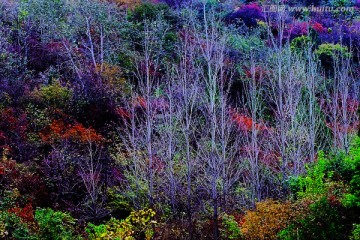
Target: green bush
54	95
229	227
312	185
299	44
11	227
149	11
329	53
138	225
355	235
54	225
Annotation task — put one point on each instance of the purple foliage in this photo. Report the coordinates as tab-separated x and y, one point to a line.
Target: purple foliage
249	14
357	4
347	34
336	30
296	29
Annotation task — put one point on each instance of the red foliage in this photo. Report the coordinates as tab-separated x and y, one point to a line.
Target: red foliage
153	70
26	213
243	122
82	134
333	200
318	27
157	164
54	47
8	169
13	123
58	130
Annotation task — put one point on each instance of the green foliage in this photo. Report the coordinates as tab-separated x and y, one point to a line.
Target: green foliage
138	225
328	53
353	198
312	185
330	50
230	227
246	43
331	191
355	235
148	11
299	44
54	95
11	226
323	221
54	225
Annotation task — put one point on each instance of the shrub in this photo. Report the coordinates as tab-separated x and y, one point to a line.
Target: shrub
149	11
353	198
355	235
250	14
54	225
53	95
322	221
299	44
297	29
230	228
267	220
136	226
328	53
12	227
312	185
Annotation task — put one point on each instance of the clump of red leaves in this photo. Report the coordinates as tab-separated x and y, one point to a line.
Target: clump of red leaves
243	122
59	130
26	213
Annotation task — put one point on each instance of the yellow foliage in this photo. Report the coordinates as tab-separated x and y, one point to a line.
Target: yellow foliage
267	220
112	75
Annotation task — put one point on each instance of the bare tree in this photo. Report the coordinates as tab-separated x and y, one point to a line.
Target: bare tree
340	102
217	148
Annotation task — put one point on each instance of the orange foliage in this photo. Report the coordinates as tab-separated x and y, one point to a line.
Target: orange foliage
58	130
267	220
243	122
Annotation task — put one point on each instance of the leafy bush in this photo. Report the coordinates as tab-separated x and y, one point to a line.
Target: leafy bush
54	95
355	235
54	225
299	44
267	220
353	198
323	221
148	11
12	227
136	226
328	53
330	198
230	227
250	14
